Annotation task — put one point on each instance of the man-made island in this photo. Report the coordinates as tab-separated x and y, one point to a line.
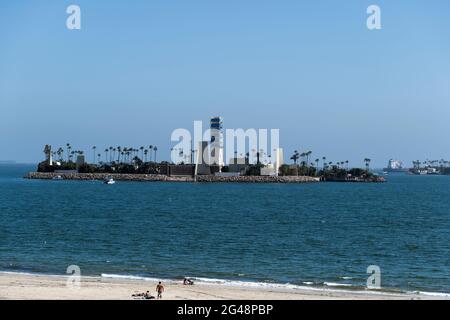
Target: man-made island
166	178
139	164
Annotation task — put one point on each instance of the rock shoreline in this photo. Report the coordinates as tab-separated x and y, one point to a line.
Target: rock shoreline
164	178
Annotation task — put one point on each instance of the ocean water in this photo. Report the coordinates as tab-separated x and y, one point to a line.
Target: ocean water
317	235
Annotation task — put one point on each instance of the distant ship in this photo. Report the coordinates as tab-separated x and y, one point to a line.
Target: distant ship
395	166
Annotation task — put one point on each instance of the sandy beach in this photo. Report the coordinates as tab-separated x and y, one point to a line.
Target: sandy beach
39	287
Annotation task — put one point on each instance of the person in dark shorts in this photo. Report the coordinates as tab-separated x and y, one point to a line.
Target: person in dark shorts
159	290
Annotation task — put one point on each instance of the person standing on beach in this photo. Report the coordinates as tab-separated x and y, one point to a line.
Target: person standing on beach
159	290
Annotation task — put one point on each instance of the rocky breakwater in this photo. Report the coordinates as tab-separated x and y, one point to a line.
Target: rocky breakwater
164	178
258	179
103	176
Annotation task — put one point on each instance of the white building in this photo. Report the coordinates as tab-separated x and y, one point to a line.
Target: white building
273	169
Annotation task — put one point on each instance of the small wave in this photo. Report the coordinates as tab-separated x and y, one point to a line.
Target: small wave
434	294
333	284
129	277
251	284
33	274
21	273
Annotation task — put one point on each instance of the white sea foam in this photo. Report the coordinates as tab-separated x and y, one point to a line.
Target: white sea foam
130	277
250	284
332	284
433	294
19	273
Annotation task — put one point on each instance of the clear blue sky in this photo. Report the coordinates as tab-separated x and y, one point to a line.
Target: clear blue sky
139	69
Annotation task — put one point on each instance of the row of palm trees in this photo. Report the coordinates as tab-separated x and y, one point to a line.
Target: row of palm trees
304	158
126	154
70	154
112	154
431	164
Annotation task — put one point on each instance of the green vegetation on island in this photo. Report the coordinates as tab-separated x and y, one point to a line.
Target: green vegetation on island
142	160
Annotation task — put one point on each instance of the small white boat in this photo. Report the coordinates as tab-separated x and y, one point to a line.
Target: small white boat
109	181
57	178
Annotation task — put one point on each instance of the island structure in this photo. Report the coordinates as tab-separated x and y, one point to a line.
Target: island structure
430	167
426	167
203	163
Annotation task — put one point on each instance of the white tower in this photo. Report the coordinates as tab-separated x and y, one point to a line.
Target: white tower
216	146
48	154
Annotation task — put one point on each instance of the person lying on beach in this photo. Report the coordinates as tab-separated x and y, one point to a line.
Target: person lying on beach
188	282
144	295
137	295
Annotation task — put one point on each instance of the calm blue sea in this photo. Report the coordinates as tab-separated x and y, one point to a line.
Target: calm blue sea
320	235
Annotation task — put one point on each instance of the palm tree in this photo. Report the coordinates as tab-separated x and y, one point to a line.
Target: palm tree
418	163
60	153
150	149
155	149
308	154
68	151
295	157
324	159
145	155
302	155
346	162
367	162
119	152
142	151
98	157
94	148
106	155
